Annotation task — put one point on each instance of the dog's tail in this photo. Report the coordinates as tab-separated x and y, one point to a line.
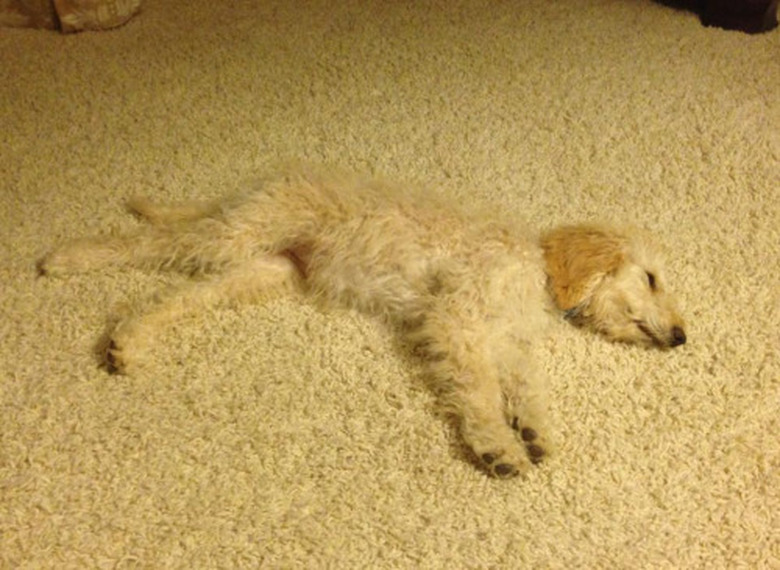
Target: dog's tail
166	214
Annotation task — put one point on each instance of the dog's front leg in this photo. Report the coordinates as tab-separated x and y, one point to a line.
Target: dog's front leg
479	403
461	366
526	403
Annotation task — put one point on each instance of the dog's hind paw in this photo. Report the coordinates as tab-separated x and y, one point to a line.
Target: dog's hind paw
50	265
115	362
119	359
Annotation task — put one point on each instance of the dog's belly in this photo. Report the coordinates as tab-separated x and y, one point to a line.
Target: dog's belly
394	287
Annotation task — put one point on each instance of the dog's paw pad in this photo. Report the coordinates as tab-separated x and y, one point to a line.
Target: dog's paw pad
498	466
535	452
528	434
505	470
534	443
115	363
41	268
48	266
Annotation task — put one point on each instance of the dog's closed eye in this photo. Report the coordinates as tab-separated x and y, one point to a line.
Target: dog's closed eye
651	280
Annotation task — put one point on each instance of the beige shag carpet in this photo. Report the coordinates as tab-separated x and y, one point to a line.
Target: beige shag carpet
279	436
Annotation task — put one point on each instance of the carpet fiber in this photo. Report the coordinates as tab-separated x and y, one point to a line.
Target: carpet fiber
284	437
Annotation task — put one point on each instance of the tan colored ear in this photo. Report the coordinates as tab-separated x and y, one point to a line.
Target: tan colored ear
576	258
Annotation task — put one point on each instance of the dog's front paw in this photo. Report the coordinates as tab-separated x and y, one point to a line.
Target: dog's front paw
497	448
536	445
504	465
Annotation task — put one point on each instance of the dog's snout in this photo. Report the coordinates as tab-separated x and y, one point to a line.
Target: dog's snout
678	336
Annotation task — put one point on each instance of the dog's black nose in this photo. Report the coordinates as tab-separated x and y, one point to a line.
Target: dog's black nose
678	336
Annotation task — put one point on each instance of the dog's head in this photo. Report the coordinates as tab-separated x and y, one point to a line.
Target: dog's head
612	282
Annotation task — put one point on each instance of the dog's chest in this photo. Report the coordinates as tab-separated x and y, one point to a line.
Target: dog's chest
514	296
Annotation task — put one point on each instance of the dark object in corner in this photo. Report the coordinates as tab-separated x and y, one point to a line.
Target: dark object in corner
750	16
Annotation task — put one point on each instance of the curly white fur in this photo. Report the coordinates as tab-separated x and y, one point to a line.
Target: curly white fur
471	289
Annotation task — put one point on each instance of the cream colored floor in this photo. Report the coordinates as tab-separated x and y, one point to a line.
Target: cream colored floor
283	437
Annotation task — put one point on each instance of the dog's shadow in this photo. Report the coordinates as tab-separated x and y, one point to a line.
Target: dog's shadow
414	357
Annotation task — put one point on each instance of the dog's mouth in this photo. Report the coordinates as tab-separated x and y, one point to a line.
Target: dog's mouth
575	316
647	331
676	336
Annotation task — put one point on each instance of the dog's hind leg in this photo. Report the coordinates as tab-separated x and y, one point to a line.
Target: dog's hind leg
257	280
202	246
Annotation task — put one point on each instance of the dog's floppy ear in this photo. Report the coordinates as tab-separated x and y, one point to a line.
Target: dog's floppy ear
577	258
